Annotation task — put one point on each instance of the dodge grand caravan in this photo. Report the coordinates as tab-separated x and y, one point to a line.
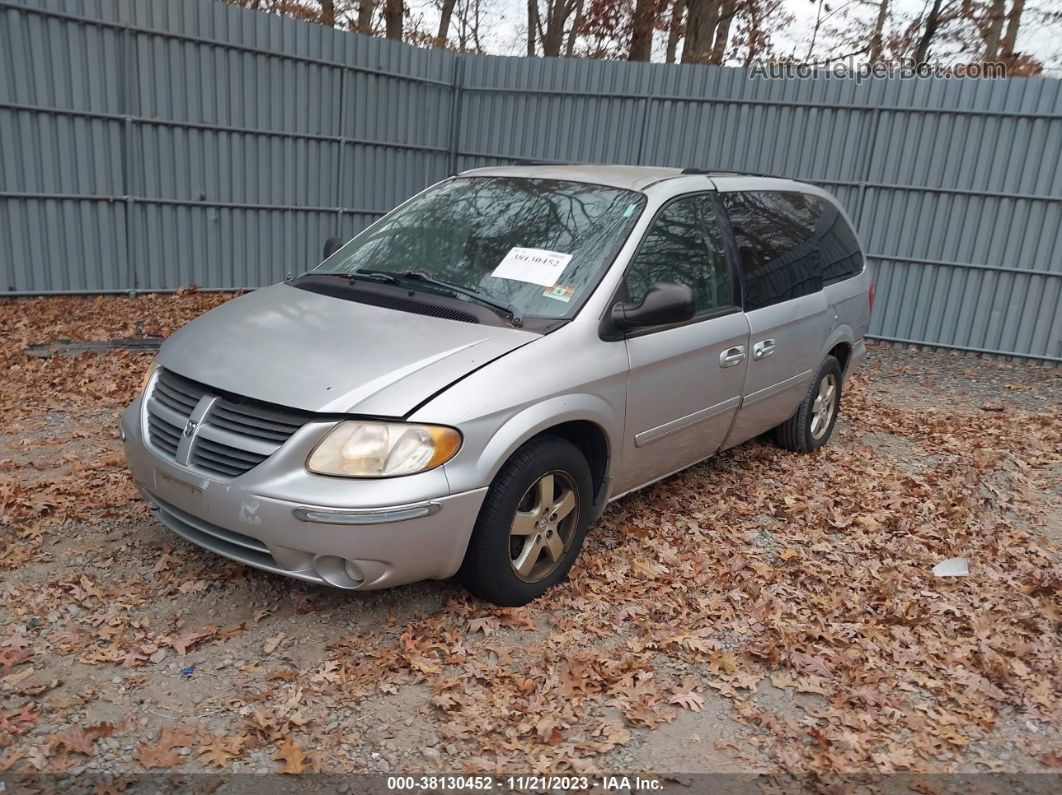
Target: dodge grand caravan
464	386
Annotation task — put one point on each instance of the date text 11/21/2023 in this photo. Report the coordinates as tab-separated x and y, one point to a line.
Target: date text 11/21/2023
529	783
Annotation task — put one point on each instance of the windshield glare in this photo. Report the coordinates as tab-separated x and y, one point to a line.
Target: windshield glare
540	245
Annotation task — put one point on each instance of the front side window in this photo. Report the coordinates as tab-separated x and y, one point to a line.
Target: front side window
685	245
538	245
778	252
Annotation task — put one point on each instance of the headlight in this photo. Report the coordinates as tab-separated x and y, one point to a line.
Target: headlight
147	375
358	449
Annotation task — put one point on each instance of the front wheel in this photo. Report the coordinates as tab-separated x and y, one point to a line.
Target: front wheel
810	428
531	526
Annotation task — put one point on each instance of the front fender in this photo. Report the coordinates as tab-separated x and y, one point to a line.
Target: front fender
497	447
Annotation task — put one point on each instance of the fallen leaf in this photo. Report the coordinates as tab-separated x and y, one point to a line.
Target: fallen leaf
271	644
292	755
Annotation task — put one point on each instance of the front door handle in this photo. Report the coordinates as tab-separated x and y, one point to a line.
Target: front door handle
762	349
732	356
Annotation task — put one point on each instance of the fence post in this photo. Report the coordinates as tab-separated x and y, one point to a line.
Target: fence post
647	104
456	96
864	176
341	172
126	75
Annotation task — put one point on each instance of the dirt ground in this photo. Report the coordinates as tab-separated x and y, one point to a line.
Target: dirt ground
763	611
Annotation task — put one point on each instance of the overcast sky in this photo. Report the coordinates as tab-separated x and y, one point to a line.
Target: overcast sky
508	21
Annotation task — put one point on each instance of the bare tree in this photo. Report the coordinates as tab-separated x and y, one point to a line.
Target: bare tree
328	13
707	30
722	31
365	12
674	29
446	11
555	17
469	14
532	26
1010	38
569	49
996	27
877	37
642	30
393	12
921	53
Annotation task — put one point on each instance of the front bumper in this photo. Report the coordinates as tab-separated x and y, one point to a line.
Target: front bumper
280	518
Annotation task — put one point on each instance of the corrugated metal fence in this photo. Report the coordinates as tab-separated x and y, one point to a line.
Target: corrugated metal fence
147	145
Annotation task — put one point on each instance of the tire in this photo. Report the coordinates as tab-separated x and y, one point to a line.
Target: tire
800	433
515	519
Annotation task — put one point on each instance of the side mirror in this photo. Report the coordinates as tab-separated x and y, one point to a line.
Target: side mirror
665	303
331	246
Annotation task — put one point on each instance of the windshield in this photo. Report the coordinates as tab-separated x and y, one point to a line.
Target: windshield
537	245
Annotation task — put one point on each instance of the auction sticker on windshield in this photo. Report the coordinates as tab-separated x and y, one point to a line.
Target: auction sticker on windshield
533	265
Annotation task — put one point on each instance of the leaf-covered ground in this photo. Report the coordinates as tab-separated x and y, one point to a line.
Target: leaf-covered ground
763	611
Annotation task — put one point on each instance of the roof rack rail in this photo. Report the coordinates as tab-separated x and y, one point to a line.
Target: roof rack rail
529	161
730	171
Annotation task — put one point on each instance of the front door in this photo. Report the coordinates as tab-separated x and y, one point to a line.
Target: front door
685	380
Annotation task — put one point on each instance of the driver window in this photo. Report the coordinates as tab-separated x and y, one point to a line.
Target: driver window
684	246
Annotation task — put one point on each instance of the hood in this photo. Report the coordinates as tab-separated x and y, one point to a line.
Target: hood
315	352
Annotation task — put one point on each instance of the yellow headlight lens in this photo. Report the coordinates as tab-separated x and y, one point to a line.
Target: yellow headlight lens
368	449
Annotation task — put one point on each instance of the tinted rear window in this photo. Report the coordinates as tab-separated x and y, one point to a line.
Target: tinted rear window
777	250
789	244
841	255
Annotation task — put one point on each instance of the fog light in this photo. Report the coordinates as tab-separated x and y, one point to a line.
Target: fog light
337	571
353	571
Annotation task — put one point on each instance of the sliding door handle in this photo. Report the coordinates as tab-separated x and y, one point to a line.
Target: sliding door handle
762	349
732	356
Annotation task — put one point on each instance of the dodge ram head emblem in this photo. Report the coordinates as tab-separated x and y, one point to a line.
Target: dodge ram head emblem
189	428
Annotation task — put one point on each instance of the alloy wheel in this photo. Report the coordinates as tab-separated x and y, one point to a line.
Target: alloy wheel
544	525
825	405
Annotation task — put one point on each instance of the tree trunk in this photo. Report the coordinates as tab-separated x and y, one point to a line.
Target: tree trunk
569	50
365	9
393	19
553	37
532	26
674	30
700	30
754	33
877	37
447	12
642	31
932	23
994	29
722	34
328	13
1010	40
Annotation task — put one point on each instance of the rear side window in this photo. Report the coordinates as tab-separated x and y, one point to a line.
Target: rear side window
685	245
778	250
841	255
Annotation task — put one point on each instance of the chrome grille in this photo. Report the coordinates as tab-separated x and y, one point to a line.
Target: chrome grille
228	435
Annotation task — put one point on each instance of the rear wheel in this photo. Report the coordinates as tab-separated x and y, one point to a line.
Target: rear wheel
812	425
532	523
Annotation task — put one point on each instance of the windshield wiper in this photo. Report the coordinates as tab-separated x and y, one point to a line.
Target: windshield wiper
371	275
515	315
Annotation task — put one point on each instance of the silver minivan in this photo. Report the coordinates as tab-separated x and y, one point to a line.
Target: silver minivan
465	385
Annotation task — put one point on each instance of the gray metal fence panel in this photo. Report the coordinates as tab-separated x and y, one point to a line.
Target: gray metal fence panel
148	146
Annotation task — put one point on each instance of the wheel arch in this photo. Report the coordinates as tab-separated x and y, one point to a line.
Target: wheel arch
839	345
587	421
